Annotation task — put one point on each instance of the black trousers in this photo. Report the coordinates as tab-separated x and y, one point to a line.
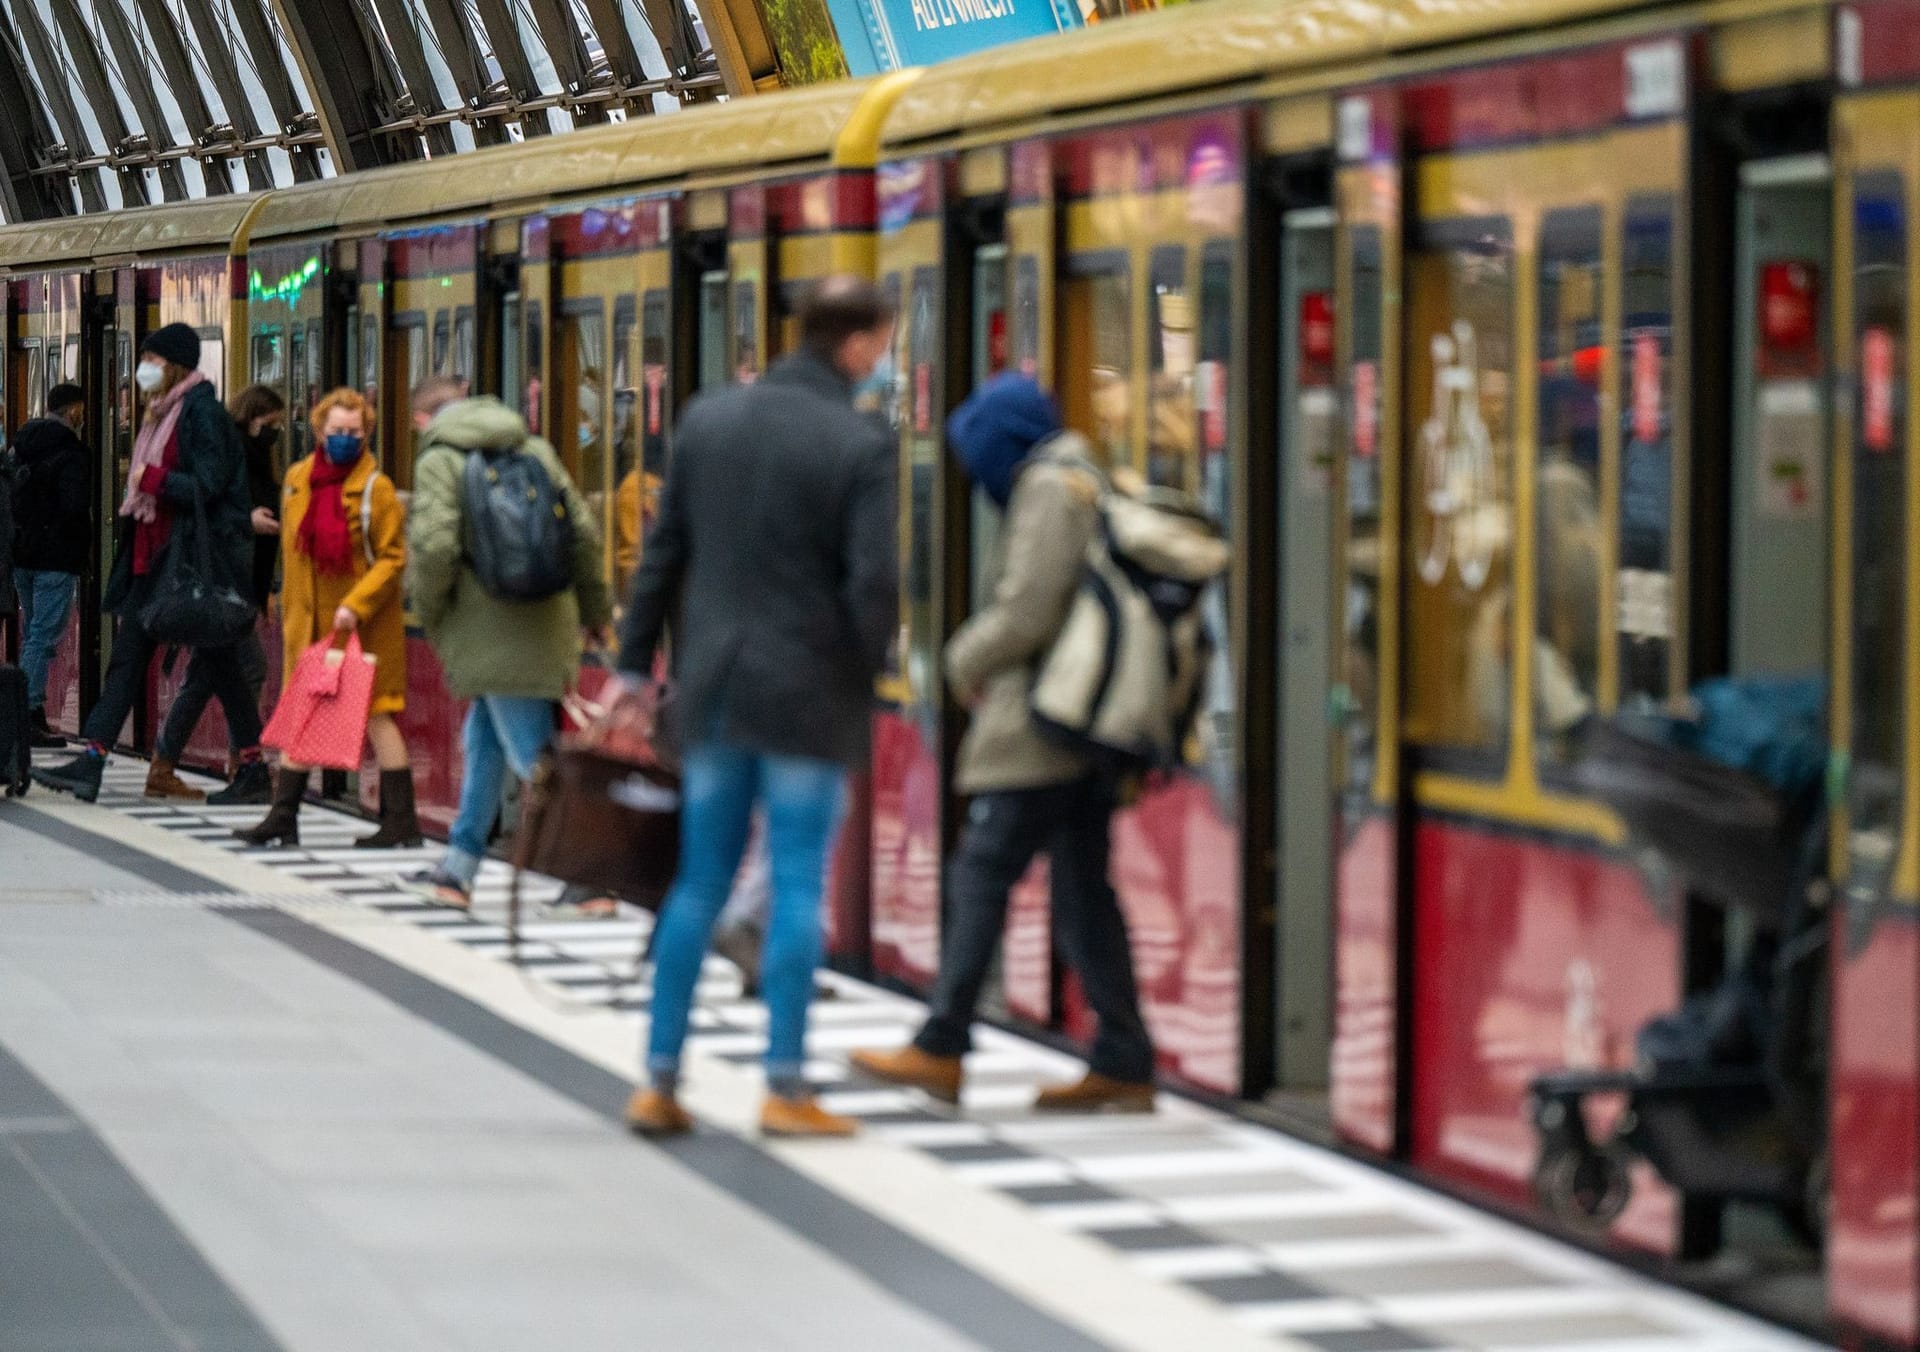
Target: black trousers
209	674
126	680
1072	824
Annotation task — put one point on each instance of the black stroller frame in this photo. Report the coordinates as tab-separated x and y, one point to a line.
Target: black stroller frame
1727	1099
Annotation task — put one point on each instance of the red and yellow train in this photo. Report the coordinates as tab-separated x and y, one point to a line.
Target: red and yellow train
1541	357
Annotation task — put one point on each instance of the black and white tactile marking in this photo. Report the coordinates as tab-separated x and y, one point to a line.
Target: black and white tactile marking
1289	1238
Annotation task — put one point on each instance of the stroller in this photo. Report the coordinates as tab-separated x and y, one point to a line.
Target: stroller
1727	1096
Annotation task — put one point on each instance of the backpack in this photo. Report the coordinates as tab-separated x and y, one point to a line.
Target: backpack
519	532
1122	680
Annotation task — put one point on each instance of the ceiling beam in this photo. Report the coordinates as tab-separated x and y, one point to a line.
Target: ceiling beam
623	58
263	50
568	50
460	48
350	77
40	53
170	46
25	137
673	29
416	74
137	79
98	92
515	68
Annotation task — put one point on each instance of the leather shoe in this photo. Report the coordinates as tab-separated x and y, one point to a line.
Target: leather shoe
1096	1094
803	1117
652	1113
937	1076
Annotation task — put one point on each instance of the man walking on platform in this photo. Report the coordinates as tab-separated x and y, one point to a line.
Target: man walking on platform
776	545
51	534
513	658
1029	794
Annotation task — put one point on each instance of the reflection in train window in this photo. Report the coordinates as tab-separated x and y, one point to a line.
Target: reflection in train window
1026	315
370	358
512	391
1881	334
442	341
746	331
1643	619
1459	470
1569	545
463	343
580	385
536	359
213	360
1096	366
1171	458
621	533
266	356
713	330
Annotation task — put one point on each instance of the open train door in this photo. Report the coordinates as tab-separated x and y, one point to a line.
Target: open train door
1873	1251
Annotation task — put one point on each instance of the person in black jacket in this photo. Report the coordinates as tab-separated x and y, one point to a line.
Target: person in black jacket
261	415
187	447
50	537
775	542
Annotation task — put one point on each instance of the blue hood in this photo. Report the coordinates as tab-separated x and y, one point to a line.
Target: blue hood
996	429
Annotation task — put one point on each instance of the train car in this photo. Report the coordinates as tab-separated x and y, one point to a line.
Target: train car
1513	345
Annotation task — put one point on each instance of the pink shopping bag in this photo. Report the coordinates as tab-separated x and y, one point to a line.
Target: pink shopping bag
321	718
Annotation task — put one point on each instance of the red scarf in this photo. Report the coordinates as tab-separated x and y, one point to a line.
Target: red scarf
324	533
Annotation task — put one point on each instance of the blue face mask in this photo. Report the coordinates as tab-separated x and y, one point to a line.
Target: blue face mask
343	448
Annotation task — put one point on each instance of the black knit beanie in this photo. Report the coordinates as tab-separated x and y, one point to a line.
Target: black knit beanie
175	343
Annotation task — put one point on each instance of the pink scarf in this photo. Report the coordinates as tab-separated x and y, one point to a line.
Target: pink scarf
150	447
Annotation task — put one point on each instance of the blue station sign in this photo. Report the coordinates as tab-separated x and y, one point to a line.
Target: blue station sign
880	35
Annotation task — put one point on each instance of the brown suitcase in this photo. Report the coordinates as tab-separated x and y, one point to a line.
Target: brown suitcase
607	822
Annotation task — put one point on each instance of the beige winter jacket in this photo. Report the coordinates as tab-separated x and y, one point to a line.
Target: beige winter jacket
1034	571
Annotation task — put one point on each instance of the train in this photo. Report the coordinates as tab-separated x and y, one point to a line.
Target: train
1540	359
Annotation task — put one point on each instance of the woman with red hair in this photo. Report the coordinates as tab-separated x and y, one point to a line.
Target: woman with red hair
343	552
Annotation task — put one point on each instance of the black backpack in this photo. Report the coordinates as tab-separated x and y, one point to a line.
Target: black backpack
519	532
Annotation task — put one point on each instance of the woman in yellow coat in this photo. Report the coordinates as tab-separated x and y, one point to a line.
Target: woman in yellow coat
343	554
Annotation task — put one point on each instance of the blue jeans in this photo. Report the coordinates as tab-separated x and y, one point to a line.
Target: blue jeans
720	786
46	600
502	733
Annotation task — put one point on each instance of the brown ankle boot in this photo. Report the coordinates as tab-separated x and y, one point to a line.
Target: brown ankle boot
399	827
652	1113
282	823
939	1076
162	782
803	1117
1096	1094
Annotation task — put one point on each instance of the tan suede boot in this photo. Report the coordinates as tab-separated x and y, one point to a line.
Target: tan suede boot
1096	1094
937	1076
652	1113
162	782
803	1117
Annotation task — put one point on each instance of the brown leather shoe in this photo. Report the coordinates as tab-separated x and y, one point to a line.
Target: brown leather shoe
1096	1094
652	1113
939	1076
803	1117
162	782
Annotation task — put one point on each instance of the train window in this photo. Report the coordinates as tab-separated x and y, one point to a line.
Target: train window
1096	370
746	331
1170	352
510	353
1569	551
1460	379
1026	315
442	341
213	359
1881	334
622	521
296	358
370	358
714	329
36	379
266	356
70	359
924	450
536	360
581	404
989	358
463	343
1643	619
1360	617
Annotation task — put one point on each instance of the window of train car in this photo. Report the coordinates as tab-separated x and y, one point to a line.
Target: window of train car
616	529
1569	551
1643	619
370	358
746	331
1026	315
920	411
508	376
580	377
1460	381
536	344
1096	368
266	369
463	343
1360	618
408	363
1881	333
442	341
1171	458
714	329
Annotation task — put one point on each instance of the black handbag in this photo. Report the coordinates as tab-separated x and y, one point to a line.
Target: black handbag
191	605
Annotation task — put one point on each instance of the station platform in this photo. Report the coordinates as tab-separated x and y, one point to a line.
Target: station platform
258	1100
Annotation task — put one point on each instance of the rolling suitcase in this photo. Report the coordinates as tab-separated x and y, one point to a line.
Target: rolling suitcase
16	734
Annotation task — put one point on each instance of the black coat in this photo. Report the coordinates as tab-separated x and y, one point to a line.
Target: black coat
213	463
776	543
51	529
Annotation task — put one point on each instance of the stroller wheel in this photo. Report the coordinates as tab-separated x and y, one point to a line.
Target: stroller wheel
1586	1187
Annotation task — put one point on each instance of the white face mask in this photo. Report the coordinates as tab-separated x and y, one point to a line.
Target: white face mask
148	376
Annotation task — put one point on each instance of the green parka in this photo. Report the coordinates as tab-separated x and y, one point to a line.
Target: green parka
488	646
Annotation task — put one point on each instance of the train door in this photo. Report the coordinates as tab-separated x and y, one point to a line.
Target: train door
1874	1233
107	377
1306	753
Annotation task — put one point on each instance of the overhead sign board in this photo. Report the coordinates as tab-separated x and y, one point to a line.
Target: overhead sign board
880	35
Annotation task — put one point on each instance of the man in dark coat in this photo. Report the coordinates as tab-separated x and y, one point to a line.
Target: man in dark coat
188	449
50	538
775	549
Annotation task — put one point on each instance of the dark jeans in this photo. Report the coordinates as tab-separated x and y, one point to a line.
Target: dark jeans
126	681
210	676
1072	824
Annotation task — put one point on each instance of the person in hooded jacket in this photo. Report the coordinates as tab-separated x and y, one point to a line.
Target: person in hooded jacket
343	550
1029	794
187	447
260	414
51	534
514	660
